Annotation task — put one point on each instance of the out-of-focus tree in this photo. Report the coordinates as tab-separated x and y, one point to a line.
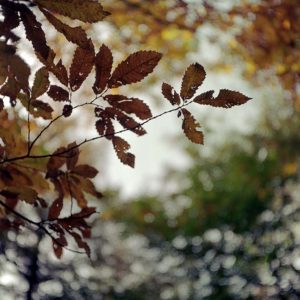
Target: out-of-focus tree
266	35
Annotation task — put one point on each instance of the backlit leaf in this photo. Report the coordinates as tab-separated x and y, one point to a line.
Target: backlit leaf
41	83
225	98
57	93
83	10
121	147
190	127
34	32
73	34
130	105
134	68
85	171
55	208
103	64
170	94
81	66
192	79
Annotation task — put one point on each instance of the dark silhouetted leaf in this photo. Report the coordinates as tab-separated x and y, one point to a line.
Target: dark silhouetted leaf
192	79
41	83
83	10
85	171
121	147
72	155
126	121
81	66
60	71
170	94
55	208
73	34
130	105
134	68
56	161
34	32
190	126
57	93
225	98
103	64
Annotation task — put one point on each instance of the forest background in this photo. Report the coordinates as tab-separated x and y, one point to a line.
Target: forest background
221	221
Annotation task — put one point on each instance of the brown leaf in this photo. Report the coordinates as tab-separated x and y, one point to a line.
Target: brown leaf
134	68
85	171
192	79
23	193
121	147
83	10
58	249
34	32
72	156
36	107
77	193
105	127
73	34
130	105
80	243
57	93
41	83
103	64
85	212
81	66
170	94
60	71
126	121
55	208
225	98
55	162
189	126
87	186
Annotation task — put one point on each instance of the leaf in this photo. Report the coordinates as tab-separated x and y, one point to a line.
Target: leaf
121	147
41	83
170	94
73	34
58	249
80	243
103	64
189	126
77	193
226	98
56	161
83	10
134	68
87	186
24	193
60	71
105	127
81	66
57	93
126	121
72	155
192	79
41	109
85	212
55	208
130	105
34	32
85	171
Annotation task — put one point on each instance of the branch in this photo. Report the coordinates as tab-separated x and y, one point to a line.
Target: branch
62	153
39	225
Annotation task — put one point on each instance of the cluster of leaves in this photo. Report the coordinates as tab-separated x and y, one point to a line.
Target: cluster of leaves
48	179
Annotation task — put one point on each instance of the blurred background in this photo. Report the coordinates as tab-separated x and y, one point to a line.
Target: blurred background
219	221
